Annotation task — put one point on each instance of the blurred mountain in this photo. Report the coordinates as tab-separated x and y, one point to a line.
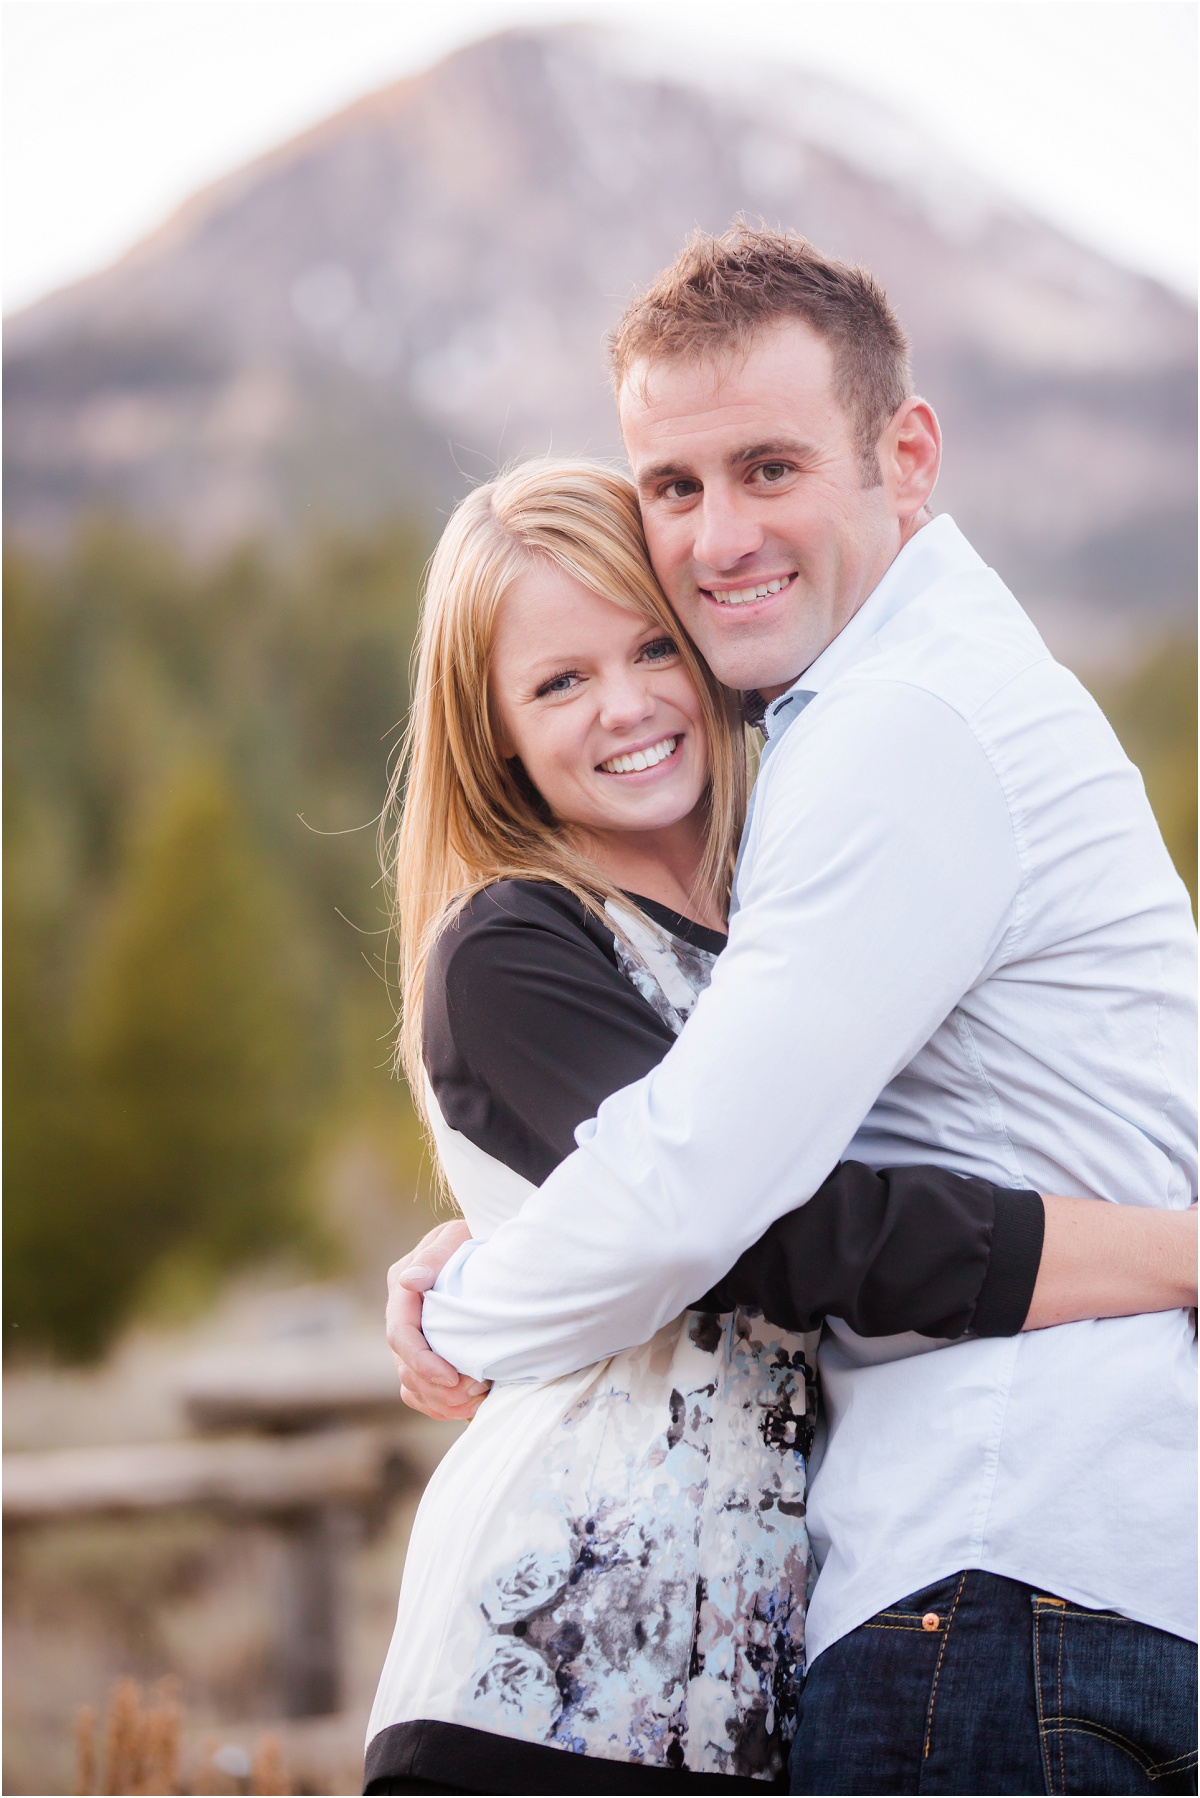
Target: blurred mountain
382	309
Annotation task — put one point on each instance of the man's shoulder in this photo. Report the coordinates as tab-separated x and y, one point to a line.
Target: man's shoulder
968	648
965	641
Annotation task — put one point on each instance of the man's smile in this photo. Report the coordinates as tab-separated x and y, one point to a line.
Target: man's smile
750	594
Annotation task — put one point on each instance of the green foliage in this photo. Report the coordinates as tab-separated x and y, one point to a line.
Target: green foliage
193	926
194	762
1154	714
191	1046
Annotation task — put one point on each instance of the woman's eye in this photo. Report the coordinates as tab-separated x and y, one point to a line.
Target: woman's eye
558	683
661	650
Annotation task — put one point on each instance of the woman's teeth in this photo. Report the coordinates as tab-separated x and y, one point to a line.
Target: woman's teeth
742	596
641	758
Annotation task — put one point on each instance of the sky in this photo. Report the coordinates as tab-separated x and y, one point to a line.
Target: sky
116	110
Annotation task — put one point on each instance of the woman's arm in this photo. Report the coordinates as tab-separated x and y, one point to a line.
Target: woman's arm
1029	1262
530	1026
1097	1260
906	1248
1103	1260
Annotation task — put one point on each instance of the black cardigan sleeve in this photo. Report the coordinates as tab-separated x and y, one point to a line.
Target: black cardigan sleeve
908	1248
530	1025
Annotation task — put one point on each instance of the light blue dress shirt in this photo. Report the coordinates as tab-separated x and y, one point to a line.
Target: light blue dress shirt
959	939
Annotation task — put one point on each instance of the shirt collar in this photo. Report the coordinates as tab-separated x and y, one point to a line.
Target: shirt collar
938	548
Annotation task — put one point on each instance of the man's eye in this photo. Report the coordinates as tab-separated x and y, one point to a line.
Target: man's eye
680	489
774	471
661	650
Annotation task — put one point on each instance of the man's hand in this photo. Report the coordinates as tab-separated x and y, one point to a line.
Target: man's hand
427	1383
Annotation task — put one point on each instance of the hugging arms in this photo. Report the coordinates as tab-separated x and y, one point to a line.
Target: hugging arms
535	1026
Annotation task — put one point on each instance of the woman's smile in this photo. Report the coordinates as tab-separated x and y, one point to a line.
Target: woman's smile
643	758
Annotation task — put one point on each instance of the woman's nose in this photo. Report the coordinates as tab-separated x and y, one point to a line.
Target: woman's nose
625	701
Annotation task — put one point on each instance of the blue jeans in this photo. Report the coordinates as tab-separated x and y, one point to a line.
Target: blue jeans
980	1684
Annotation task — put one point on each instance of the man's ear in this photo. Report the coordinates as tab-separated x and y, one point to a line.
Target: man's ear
910	454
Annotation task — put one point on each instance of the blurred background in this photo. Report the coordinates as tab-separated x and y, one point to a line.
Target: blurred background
282	281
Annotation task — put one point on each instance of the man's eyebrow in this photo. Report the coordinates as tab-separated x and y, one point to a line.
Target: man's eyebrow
663	471
791	447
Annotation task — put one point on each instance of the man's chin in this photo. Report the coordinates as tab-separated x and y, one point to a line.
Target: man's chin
752	674
752	656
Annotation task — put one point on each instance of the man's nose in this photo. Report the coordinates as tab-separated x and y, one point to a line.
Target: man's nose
726	531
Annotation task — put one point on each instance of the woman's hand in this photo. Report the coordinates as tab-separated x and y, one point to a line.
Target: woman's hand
1103	1260
427	1383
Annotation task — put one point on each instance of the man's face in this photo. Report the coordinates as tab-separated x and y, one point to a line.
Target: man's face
761	531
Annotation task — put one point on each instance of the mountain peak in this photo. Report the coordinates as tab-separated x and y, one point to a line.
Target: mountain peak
426	279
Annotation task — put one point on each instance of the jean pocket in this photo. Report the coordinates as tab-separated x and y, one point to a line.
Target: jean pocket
927	1612
1116	1702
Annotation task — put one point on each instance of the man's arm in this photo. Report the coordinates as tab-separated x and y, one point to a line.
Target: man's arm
880	879
1097	1260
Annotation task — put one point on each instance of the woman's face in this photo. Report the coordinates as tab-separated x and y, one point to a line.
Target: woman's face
597	705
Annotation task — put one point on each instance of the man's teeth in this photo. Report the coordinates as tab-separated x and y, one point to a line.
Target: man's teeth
742	596
641	758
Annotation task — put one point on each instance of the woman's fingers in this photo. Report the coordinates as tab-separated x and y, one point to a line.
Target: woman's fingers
430	1256
427	1383
439	1407
414	1357
417	1278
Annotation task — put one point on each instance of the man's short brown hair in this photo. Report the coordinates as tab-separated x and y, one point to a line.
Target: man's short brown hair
721	291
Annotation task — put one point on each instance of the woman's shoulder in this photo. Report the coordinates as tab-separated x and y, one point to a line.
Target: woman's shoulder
529	1024
511	927
491	916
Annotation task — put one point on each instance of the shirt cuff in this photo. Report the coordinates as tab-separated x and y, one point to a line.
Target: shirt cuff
1004	1298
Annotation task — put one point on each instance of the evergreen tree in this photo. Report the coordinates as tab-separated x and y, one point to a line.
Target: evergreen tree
191	1076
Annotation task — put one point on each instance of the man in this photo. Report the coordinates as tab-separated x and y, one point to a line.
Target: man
957	937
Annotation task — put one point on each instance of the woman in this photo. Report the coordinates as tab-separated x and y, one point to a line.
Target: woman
606	1585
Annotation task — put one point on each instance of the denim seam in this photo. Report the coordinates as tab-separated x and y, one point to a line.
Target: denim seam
937	1672
1085	1726
1038	1611
1181	1761
1062	1743
900	1629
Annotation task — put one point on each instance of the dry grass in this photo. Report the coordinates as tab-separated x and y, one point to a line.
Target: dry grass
139	1751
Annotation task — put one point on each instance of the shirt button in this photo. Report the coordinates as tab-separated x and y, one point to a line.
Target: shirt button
931	1621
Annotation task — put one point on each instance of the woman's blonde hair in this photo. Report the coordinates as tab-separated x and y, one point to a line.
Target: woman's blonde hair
458	815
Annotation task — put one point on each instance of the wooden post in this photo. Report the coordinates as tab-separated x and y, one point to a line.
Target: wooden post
319	1479
311	1621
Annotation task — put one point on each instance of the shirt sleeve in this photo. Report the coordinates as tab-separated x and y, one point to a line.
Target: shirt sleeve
878	884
